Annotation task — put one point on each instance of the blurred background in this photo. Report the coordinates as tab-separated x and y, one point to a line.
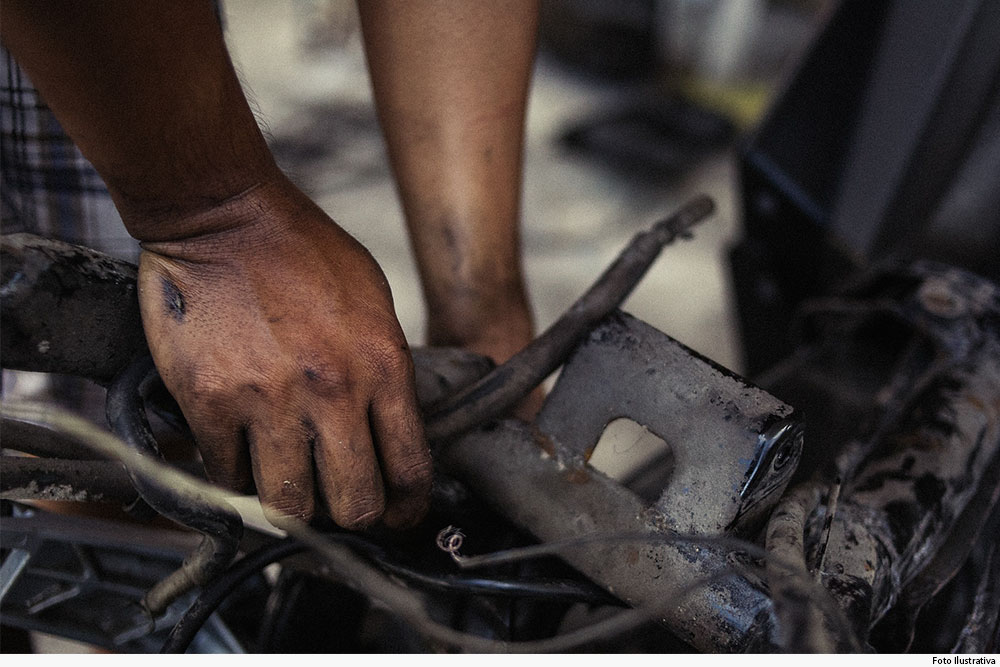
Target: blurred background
635	106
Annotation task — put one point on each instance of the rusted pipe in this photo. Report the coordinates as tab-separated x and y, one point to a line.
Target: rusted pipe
67	309
802	626
40	441
25	478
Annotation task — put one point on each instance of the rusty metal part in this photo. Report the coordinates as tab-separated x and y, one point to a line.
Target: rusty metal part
916	486
981	633
920	480
66	309
89	308
957	549
900	509
734	445
539	477
221	530
341	562
500	390
25	478
33	439
803	626
898	513
509	469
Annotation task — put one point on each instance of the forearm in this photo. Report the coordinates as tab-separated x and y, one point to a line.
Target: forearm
451	81
148	93
272	328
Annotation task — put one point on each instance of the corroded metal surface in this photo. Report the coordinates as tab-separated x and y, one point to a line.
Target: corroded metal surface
898	513
892	513
67	309
725	435
56	479
498	392
904	502
909	494
734	445
730	613
557	500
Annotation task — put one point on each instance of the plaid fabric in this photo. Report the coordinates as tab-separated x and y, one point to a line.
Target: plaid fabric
46	186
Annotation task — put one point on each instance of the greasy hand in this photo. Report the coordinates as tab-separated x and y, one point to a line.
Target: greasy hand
276	334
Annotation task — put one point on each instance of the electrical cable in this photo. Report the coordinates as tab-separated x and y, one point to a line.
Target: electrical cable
371	581
219	524
183	633
564	590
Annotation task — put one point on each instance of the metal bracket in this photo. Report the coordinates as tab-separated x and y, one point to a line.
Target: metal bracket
734	445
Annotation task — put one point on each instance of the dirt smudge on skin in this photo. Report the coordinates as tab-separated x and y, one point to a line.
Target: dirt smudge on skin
452	245
173	299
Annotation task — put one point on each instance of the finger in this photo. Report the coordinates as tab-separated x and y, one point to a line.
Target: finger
224	452
403	453
347	468
281	452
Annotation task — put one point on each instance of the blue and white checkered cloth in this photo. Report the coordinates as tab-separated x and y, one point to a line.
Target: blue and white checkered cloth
46	186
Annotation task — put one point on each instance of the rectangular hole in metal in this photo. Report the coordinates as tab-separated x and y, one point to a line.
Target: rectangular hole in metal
631	454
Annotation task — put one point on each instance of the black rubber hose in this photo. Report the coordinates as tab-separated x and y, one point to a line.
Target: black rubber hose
213	594
555	590
563	590
183	633
222	530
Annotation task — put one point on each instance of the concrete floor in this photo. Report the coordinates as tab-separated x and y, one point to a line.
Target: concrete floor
311	91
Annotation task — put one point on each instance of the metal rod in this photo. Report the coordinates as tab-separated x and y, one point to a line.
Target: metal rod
27	478
501	389
40	441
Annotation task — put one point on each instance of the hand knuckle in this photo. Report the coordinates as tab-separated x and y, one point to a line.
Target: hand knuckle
207	387
284	507
413	476
361	511
230	480
328	380
392	361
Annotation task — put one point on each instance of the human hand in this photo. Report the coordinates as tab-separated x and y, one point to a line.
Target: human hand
277	337
495	332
